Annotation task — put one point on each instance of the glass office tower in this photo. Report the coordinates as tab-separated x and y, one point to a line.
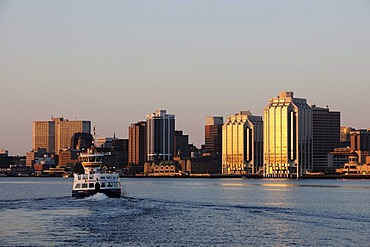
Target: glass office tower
287	136
242	149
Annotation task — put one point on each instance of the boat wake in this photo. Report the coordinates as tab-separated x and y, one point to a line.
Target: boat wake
97	197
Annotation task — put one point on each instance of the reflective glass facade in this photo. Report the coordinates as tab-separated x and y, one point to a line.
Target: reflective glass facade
287	136
242	137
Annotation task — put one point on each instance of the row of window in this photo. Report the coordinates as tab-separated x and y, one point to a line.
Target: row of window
85	176
92	185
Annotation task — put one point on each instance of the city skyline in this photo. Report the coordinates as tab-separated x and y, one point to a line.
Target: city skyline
112	63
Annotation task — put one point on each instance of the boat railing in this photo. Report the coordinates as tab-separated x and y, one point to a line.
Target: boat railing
102	176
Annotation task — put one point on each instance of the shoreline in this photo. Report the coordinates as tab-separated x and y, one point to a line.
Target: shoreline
216	176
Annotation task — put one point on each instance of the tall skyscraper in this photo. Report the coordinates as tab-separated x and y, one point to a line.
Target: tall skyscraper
287	136
325	135
137	143
160	136
242	144
213	134
56	134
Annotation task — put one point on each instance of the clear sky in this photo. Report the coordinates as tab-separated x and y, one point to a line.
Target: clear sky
114	62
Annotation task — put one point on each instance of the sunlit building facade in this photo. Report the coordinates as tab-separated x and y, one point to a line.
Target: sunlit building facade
56	134
242	144
160	136
287	136
43	136
64	130
137	143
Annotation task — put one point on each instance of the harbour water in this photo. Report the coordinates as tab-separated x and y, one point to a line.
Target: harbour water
187	212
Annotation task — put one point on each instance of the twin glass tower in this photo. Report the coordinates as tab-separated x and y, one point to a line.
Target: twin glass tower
279	146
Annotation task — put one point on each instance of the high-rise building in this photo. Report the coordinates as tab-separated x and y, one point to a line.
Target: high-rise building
64	130
287	136
325	135
242	144
160	136
43	136
181	144
137	143
56	134
213	134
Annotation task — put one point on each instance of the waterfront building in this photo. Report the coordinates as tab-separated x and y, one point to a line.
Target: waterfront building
181	144
213	134
360	140
115	151
160	136
242	139
287	136
56	134
117	154
34	154
354	166
67	158
4	158
163	168
337	158
137	143
325	135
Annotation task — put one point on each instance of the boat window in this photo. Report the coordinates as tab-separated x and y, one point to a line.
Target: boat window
84	186
114	184
78	186
84	176
102	177
108	177
79	177
103	185
110	185
91	185
91	176
119	184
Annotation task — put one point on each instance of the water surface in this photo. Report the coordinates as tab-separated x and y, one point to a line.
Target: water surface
187	212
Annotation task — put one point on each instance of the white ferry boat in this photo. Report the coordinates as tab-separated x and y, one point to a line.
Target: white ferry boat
94	180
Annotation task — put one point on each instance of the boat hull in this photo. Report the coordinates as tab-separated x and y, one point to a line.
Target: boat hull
112	193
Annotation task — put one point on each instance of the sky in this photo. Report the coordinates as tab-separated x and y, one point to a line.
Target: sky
114	62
